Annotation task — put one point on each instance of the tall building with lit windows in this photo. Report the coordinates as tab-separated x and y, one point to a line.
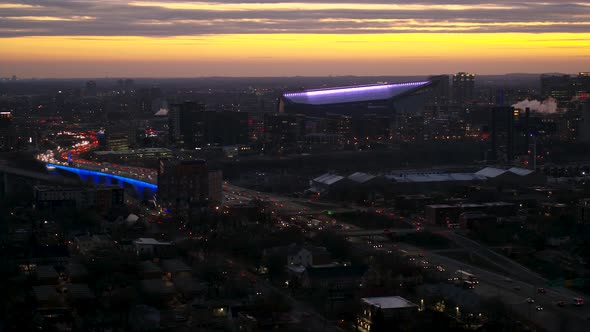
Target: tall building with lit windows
184	184
463	88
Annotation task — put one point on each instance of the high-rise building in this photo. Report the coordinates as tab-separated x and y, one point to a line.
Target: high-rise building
585	123
561	88
90	89
282	130
182	126
463	88
183	184
8	133
190	126
441	89
117	142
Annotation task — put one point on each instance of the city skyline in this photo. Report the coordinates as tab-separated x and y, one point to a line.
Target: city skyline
71	39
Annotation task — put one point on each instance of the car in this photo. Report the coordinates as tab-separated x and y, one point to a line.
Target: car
561	304
529	300
541	290
539	308
440	268
516	288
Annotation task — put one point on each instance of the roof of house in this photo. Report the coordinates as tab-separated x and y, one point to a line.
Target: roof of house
352	94
149	267
157	286
46	272
77	270
79	291
150	241
175	266
389	302
294	249
44	293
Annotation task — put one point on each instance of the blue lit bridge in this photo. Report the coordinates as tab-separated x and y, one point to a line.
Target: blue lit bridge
142	188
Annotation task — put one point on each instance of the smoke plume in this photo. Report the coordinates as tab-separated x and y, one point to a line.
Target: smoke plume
548	106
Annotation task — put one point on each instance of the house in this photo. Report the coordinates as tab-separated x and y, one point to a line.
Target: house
77	272
300	255
149	270
339	280
84	244
253	322
190	287
79	295
144	318
176	268
215	314
152	247
46	275
47	297
389	308
158	288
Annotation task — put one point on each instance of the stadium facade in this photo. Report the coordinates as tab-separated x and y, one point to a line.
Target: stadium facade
358	101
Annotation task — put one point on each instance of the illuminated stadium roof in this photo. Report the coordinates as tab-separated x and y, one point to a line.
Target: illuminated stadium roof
353	94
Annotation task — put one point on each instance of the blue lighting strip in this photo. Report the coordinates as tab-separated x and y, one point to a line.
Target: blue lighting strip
118	177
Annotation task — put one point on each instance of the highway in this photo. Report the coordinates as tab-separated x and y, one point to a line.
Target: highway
512	286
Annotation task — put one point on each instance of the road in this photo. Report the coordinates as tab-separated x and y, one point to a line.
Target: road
512	287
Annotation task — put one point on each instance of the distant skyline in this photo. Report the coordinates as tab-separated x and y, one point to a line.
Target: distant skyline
107	38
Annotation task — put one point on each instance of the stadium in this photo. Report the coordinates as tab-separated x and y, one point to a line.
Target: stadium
356	101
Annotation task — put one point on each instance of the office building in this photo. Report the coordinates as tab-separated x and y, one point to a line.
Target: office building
282	129
441	89
9	138
117	142
585	123
561	88
190	126
183	184
90	89
463	88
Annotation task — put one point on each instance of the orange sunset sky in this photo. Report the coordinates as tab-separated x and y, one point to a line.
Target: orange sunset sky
284	38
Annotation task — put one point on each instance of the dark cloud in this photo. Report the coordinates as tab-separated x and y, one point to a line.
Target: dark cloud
118	18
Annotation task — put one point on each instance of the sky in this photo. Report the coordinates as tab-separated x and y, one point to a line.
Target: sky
108	38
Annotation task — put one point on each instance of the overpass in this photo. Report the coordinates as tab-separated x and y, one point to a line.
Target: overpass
141	187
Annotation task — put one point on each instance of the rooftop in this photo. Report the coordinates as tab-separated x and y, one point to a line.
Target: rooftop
360	177
328	178
353	94
389	302
175	266
150	241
